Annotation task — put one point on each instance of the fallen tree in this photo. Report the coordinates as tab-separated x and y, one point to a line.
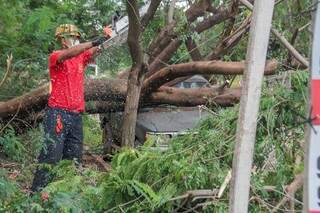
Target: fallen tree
106	95
114	90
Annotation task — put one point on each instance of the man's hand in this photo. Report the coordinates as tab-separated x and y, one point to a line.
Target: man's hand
98	41
107	34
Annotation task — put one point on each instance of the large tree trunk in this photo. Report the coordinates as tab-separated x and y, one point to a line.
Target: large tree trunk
174	96
135	77
114	90
35	100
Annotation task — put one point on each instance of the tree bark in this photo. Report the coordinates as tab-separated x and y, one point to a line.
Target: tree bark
166	35
209	22
171	11
193	50
198	9
150	13
36	100
165	95
114	90
230	41
194	97
162	59
135	77
192	13
174	96
186	69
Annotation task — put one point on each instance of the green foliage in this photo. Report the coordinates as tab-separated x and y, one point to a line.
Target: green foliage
145	180
11	197
21	148
27	31
92	131
12	146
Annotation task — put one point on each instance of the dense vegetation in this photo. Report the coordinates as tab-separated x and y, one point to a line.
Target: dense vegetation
147	179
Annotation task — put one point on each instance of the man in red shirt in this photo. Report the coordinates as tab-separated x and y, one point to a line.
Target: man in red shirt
63	121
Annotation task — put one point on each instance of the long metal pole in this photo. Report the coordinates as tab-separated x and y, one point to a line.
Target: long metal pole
249	104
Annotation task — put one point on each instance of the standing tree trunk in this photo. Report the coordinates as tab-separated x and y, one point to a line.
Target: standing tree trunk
135	76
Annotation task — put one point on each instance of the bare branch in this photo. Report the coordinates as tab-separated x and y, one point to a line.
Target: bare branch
291	190
230	41
216	18
283	40
9	64
171	11
194	97
202	67
198	9
150	13
163	57
193	49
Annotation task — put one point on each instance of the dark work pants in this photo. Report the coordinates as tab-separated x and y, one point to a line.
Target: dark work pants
63	140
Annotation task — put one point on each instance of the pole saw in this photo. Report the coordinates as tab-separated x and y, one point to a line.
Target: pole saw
312	159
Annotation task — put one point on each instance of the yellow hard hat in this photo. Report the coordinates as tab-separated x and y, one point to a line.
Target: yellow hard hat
67	30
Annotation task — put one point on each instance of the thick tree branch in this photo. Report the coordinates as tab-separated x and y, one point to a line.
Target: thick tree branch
136	74
161	60
134	32
164	54
165	36
165	32
193	49
150	13
194	97
208	67
230	41
198	9
209	22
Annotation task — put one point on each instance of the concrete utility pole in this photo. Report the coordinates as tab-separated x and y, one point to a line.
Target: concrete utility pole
311	187
249	105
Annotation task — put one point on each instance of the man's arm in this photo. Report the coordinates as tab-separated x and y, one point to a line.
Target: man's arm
73	51
94	51
76	50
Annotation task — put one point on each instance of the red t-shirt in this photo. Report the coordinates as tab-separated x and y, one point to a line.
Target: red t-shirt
67	81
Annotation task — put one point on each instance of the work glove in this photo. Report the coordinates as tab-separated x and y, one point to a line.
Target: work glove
98	41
